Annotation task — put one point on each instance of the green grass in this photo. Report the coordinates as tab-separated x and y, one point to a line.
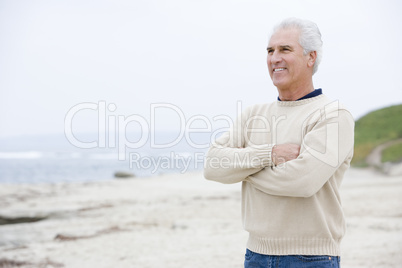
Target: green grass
392	153
376	128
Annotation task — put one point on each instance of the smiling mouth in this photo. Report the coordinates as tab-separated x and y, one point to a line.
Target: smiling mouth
278	69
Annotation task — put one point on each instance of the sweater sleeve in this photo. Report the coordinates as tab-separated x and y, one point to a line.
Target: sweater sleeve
228	160
327	146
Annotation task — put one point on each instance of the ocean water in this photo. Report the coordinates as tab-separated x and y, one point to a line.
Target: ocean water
52	158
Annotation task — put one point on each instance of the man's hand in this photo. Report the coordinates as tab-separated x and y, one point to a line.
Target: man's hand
282	153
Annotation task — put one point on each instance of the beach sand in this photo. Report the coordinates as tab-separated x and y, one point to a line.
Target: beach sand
176	220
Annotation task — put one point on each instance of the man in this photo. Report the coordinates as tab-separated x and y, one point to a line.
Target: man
290	156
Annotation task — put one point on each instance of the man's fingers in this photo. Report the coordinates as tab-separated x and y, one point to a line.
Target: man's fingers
285	152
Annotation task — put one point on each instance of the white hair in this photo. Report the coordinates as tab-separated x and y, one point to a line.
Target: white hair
309	39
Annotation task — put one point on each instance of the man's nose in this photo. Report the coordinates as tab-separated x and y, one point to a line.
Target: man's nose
275	57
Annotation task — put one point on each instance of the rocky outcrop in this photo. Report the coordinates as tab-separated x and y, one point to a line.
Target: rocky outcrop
14	220
71	237
123	175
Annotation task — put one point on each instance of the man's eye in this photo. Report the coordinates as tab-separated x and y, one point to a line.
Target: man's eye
270	51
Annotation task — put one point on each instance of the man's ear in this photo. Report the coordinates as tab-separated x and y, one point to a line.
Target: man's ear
312	56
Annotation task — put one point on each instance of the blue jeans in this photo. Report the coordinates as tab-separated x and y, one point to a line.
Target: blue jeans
256	260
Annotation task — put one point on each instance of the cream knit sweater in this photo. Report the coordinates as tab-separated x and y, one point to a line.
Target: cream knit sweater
293	208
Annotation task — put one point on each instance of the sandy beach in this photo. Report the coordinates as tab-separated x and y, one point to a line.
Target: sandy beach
175	220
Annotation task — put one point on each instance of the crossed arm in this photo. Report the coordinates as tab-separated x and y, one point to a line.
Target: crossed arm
286	169
231	165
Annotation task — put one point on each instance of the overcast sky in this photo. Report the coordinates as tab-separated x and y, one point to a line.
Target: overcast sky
199	56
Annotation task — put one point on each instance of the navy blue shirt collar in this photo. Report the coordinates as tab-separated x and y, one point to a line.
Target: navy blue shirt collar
315	93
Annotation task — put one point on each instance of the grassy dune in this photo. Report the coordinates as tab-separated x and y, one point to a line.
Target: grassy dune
376	128
392	153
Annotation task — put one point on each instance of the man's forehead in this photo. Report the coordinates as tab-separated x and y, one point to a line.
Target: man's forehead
284	37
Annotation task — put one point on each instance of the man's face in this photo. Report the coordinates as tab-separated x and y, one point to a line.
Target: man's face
287	65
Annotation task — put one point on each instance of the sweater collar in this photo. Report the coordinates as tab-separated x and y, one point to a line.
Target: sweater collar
315	93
